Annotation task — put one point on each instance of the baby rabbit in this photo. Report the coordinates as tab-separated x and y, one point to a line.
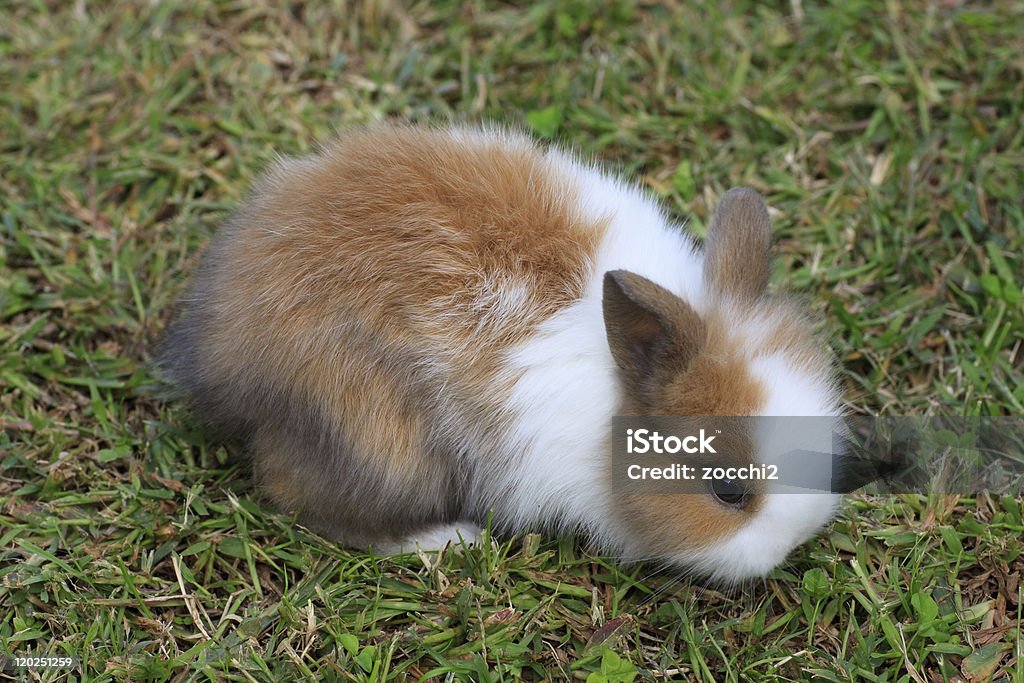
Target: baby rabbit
418	327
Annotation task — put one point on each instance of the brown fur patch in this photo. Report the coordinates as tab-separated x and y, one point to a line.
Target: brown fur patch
715	382
718	381
792	335
676	523
375	286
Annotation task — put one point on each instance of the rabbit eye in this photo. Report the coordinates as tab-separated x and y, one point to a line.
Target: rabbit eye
732	492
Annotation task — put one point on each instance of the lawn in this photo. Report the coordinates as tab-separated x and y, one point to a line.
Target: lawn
887	138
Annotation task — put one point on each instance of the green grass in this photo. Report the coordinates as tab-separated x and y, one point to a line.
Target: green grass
887	137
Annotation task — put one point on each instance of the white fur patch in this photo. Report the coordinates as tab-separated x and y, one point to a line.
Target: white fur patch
434	538
784	521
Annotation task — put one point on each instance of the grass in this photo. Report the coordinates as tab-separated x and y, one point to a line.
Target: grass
886	136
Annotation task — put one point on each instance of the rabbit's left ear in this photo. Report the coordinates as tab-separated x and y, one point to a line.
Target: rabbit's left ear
737	261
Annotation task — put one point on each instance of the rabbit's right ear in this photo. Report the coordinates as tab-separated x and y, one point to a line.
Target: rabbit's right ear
649	328
736	258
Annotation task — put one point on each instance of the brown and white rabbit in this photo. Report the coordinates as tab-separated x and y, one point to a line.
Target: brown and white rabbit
417	327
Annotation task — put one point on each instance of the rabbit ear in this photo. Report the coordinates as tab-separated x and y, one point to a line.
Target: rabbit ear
649	328
739	236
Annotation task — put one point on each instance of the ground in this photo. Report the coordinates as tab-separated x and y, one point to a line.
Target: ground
887	138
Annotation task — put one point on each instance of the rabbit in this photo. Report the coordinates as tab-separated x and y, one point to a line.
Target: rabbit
417	331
